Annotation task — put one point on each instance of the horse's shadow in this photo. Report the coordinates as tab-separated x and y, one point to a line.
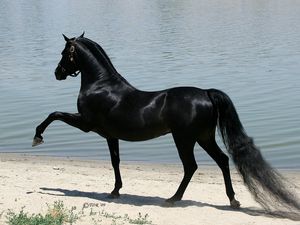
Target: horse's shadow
138	200
127	199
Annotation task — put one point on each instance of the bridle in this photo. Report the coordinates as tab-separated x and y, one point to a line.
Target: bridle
71	57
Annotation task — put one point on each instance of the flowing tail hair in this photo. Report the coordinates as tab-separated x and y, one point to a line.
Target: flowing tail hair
266	185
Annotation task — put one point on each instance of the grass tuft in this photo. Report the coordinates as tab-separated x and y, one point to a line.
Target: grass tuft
56	215
140	220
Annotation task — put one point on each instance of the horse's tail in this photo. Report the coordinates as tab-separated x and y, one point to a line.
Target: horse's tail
265	184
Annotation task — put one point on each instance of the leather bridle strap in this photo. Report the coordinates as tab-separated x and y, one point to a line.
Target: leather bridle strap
71	56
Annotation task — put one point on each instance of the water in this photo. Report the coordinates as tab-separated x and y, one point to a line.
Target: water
249	49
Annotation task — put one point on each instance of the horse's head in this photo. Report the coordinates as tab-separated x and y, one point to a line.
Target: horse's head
67	66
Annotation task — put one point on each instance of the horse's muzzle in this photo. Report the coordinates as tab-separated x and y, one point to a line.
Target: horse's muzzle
59	73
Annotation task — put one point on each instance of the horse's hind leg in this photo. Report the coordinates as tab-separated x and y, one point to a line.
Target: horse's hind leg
222	160
185	147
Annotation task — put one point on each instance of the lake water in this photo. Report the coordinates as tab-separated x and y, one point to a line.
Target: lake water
249	49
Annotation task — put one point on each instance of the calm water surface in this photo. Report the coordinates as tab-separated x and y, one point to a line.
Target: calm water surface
249	49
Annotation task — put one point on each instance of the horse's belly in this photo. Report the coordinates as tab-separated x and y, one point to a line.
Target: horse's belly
143	135
132	133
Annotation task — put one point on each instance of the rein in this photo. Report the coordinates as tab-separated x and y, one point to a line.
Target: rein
75	74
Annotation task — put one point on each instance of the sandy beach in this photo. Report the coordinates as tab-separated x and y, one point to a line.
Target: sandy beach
33	182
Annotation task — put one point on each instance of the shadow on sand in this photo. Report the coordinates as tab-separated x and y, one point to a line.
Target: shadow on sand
139	200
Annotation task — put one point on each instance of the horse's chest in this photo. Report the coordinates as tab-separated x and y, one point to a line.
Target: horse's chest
92	108
82	105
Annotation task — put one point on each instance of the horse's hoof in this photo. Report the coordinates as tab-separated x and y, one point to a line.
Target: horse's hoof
37	141
168	204
235	204
113	196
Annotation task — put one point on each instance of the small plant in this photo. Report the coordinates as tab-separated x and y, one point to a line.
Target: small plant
56	215
140	220
109	215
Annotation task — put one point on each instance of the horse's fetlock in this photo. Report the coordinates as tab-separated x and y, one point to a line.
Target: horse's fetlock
38	130
118	186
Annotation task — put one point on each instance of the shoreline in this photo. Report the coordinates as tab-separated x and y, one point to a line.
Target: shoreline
35	181
141	162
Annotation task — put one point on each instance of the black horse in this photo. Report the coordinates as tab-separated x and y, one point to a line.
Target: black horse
114	109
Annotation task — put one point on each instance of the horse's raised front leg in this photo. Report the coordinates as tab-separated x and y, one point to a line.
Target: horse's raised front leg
73	119
113	145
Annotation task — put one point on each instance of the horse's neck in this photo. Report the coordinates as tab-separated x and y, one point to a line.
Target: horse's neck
104	80
97	71
92	71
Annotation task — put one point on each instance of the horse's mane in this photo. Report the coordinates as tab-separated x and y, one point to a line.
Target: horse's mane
101	56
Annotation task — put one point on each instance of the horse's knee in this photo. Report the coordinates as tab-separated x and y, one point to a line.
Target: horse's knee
86	129
53	115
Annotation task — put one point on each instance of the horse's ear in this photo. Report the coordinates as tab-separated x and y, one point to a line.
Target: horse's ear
66	38
81	36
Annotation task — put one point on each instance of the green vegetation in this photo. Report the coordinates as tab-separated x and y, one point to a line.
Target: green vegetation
58	214
140	220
